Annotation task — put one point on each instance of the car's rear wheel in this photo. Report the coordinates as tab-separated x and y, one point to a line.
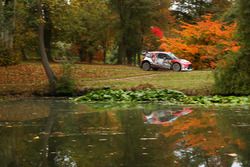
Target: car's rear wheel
176	67
146	66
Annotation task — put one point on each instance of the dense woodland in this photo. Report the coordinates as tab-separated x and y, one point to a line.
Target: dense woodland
212	34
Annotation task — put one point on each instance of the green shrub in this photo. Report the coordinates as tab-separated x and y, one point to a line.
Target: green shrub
66	84
9	57
234	79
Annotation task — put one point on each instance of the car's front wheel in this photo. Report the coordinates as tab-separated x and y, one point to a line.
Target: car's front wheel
146	66
176	67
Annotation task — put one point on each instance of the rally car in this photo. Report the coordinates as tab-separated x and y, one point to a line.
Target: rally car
164	60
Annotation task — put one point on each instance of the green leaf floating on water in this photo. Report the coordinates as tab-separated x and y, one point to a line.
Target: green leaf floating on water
158	95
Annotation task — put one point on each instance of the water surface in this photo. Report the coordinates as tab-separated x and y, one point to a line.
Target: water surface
57	133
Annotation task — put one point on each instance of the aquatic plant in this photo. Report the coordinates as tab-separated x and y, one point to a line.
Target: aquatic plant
158	95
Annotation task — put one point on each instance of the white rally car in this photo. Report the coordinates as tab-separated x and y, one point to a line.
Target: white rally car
164	60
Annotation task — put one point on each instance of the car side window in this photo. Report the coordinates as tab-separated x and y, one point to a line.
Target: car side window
164	56
161	56
147	55
167	57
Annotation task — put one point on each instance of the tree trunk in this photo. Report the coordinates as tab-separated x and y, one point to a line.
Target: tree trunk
104	44
81	54
50	74
138	59
90	57
48	32
1	23
7	23
24	56
121	53
47	36
104	55
13	26
129	57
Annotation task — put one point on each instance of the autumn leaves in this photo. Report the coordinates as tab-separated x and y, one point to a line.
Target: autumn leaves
203	43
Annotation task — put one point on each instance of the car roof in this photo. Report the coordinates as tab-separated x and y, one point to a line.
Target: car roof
159	52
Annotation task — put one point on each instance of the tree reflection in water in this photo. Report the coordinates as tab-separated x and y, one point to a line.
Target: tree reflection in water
56	133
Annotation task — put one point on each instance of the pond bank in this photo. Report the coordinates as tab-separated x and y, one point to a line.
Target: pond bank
139	94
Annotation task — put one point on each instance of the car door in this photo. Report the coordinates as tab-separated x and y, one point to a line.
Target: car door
160	60
164	60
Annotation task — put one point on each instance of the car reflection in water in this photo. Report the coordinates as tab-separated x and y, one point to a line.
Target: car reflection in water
165	117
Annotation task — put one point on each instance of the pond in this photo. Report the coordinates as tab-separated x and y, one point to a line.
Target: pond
58	133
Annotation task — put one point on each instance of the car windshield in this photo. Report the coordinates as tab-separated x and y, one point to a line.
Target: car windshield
173	56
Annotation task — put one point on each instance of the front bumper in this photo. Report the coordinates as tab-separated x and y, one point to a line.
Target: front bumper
187	67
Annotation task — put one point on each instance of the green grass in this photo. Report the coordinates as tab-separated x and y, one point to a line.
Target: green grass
123	77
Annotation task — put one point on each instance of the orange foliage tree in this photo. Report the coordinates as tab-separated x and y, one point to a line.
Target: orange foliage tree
203	43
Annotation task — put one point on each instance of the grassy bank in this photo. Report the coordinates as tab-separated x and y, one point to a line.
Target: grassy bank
28	78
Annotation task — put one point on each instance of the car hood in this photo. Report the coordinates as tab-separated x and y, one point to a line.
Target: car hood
183	61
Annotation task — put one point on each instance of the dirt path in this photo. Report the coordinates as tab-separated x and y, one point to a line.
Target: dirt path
126	78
